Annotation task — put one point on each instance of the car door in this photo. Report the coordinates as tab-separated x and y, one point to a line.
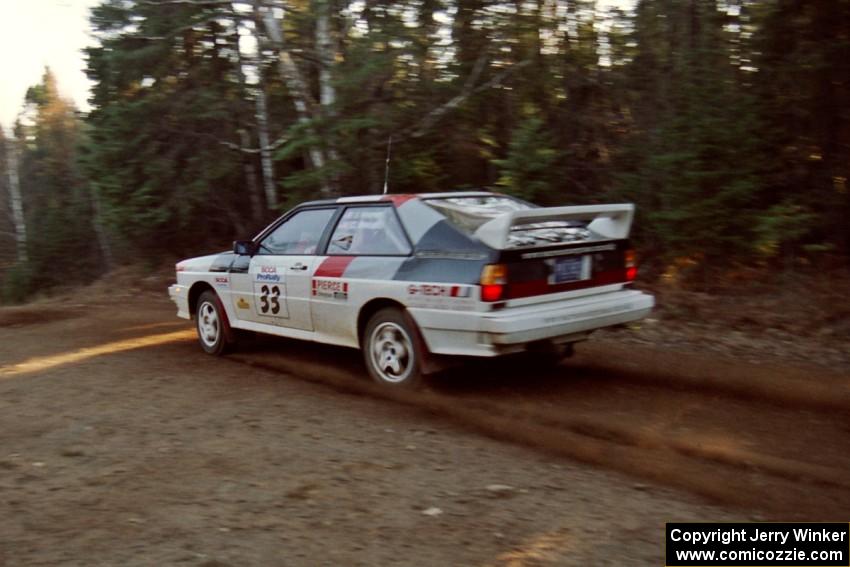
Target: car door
277	286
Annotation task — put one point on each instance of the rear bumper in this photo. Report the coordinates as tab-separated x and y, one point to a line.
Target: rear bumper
179	294
510	330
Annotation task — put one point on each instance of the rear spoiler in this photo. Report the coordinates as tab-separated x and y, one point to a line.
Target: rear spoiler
607	222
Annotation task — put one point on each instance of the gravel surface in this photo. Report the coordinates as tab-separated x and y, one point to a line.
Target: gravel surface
159	455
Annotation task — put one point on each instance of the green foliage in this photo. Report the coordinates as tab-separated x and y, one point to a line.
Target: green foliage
785	224
17	284
527	171
728	124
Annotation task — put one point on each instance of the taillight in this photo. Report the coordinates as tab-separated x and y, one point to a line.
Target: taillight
631	265
494	277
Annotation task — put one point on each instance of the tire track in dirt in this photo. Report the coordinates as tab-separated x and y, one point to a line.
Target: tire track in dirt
540	417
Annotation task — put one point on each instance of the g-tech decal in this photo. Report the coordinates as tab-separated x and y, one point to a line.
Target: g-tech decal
436	296
439	290
242	304
330	288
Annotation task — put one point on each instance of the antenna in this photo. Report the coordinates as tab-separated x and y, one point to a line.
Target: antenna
387	171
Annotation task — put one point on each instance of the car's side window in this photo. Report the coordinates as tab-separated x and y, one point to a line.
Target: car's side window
299	234
368	231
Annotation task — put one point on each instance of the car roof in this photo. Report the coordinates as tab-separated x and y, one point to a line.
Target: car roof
396	198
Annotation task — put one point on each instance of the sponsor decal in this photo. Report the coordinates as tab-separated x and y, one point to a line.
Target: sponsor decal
426	290
242	304
330	288
436	296
221	280
268	274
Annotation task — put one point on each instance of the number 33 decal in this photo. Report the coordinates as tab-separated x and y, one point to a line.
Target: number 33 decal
270	299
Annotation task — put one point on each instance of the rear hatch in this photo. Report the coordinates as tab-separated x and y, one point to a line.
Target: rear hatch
543	251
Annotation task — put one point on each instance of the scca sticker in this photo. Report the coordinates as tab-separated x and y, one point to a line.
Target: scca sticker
268	274
330	288
221	280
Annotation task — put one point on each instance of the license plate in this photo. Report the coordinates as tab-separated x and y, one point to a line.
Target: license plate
570	269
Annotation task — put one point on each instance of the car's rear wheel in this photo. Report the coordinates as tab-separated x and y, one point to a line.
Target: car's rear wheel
393	349
212	324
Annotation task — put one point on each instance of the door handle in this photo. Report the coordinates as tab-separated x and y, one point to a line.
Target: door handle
298	266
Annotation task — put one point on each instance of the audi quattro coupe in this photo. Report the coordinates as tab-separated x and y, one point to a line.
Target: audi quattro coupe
409	279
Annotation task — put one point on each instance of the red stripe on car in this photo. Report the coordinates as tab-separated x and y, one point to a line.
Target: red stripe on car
398	200
333	267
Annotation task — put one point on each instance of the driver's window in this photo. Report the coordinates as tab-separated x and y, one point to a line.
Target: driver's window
300	234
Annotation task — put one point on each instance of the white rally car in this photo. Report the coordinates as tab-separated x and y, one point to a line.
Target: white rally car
410	278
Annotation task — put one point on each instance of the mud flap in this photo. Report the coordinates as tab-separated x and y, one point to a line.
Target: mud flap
431	363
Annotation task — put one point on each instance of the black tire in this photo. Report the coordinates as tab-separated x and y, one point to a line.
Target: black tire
211	323
393	349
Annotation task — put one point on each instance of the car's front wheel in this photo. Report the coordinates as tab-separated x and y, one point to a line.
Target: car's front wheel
212	325
393	349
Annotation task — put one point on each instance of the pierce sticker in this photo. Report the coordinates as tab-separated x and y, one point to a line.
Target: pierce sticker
330	288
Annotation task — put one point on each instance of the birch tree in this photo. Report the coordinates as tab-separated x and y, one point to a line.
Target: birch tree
15	201
299	89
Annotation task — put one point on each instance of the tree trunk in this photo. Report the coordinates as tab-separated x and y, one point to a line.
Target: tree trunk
265	151
245	138
15	198
296	85
100	232
251	178
327	90
325	47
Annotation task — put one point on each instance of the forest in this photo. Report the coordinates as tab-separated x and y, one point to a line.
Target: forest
727	122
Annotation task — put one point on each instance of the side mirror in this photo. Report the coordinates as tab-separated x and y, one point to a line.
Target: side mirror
245	247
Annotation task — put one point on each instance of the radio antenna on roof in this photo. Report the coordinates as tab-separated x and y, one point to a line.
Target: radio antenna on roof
387	170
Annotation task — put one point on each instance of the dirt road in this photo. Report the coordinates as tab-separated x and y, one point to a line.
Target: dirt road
122	444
